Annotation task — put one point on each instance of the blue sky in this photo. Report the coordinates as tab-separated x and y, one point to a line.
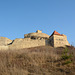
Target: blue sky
19	17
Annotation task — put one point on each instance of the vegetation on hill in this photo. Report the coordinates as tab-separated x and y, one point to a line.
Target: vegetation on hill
38	61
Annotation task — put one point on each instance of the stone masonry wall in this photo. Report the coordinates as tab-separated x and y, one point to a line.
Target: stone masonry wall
27	43
60	41
4	48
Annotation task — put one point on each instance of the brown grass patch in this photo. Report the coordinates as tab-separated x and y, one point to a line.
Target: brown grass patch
35	61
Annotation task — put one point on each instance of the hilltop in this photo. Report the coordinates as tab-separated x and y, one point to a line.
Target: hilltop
43	60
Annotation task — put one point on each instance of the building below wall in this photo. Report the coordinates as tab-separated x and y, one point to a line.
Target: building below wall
33	40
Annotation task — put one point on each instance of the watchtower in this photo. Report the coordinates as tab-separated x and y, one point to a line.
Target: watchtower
38	31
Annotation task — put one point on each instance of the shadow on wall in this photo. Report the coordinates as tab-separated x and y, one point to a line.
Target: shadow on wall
11	42
47	42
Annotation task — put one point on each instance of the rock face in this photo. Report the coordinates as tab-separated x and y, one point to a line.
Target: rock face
4	43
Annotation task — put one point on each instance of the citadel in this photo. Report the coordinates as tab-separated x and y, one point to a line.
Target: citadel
33	40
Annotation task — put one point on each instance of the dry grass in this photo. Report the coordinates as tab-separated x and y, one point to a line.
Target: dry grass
35	61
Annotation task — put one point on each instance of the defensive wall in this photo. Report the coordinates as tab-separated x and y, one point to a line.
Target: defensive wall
27	43
4	48
58	40
34	40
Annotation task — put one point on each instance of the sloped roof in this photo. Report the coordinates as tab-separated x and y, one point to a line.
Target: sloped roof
55	33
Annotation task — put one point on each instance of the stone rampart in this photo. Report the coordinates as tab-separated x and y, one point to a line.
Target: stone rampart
4	48
34	40
27	43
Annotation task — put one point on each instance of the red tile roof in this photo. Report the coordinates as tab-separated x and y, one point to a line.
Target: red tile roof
55	33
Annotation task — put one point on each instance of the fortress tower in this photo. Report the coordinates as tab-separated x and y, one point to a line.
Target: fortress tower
58	40
38	31
37	35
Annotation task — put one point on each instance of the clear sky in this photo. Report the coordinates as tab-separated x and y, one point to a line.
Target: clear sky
19	17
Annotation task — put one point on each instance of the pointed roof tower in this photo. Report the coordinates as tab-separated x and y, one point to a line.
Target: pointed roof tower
55	33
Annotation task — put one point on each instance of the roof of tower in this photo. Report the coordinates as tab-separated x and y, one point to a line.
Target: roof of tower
56	33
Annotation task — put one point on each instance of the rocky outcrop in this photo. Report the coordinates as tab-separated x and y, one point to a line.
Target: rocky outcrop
4	41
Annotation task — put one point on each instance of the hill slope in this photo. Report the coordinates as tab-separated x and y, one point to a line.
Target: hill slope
43	60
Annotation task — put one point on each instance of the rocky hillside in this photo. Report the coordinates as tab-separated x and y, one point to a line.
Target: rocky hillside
4	41
43	60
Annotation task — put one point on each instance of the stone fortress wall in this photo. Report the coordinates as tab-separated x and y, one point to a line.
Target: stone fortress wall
33	40
57	41
30	40
60	41
27	43
4	48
